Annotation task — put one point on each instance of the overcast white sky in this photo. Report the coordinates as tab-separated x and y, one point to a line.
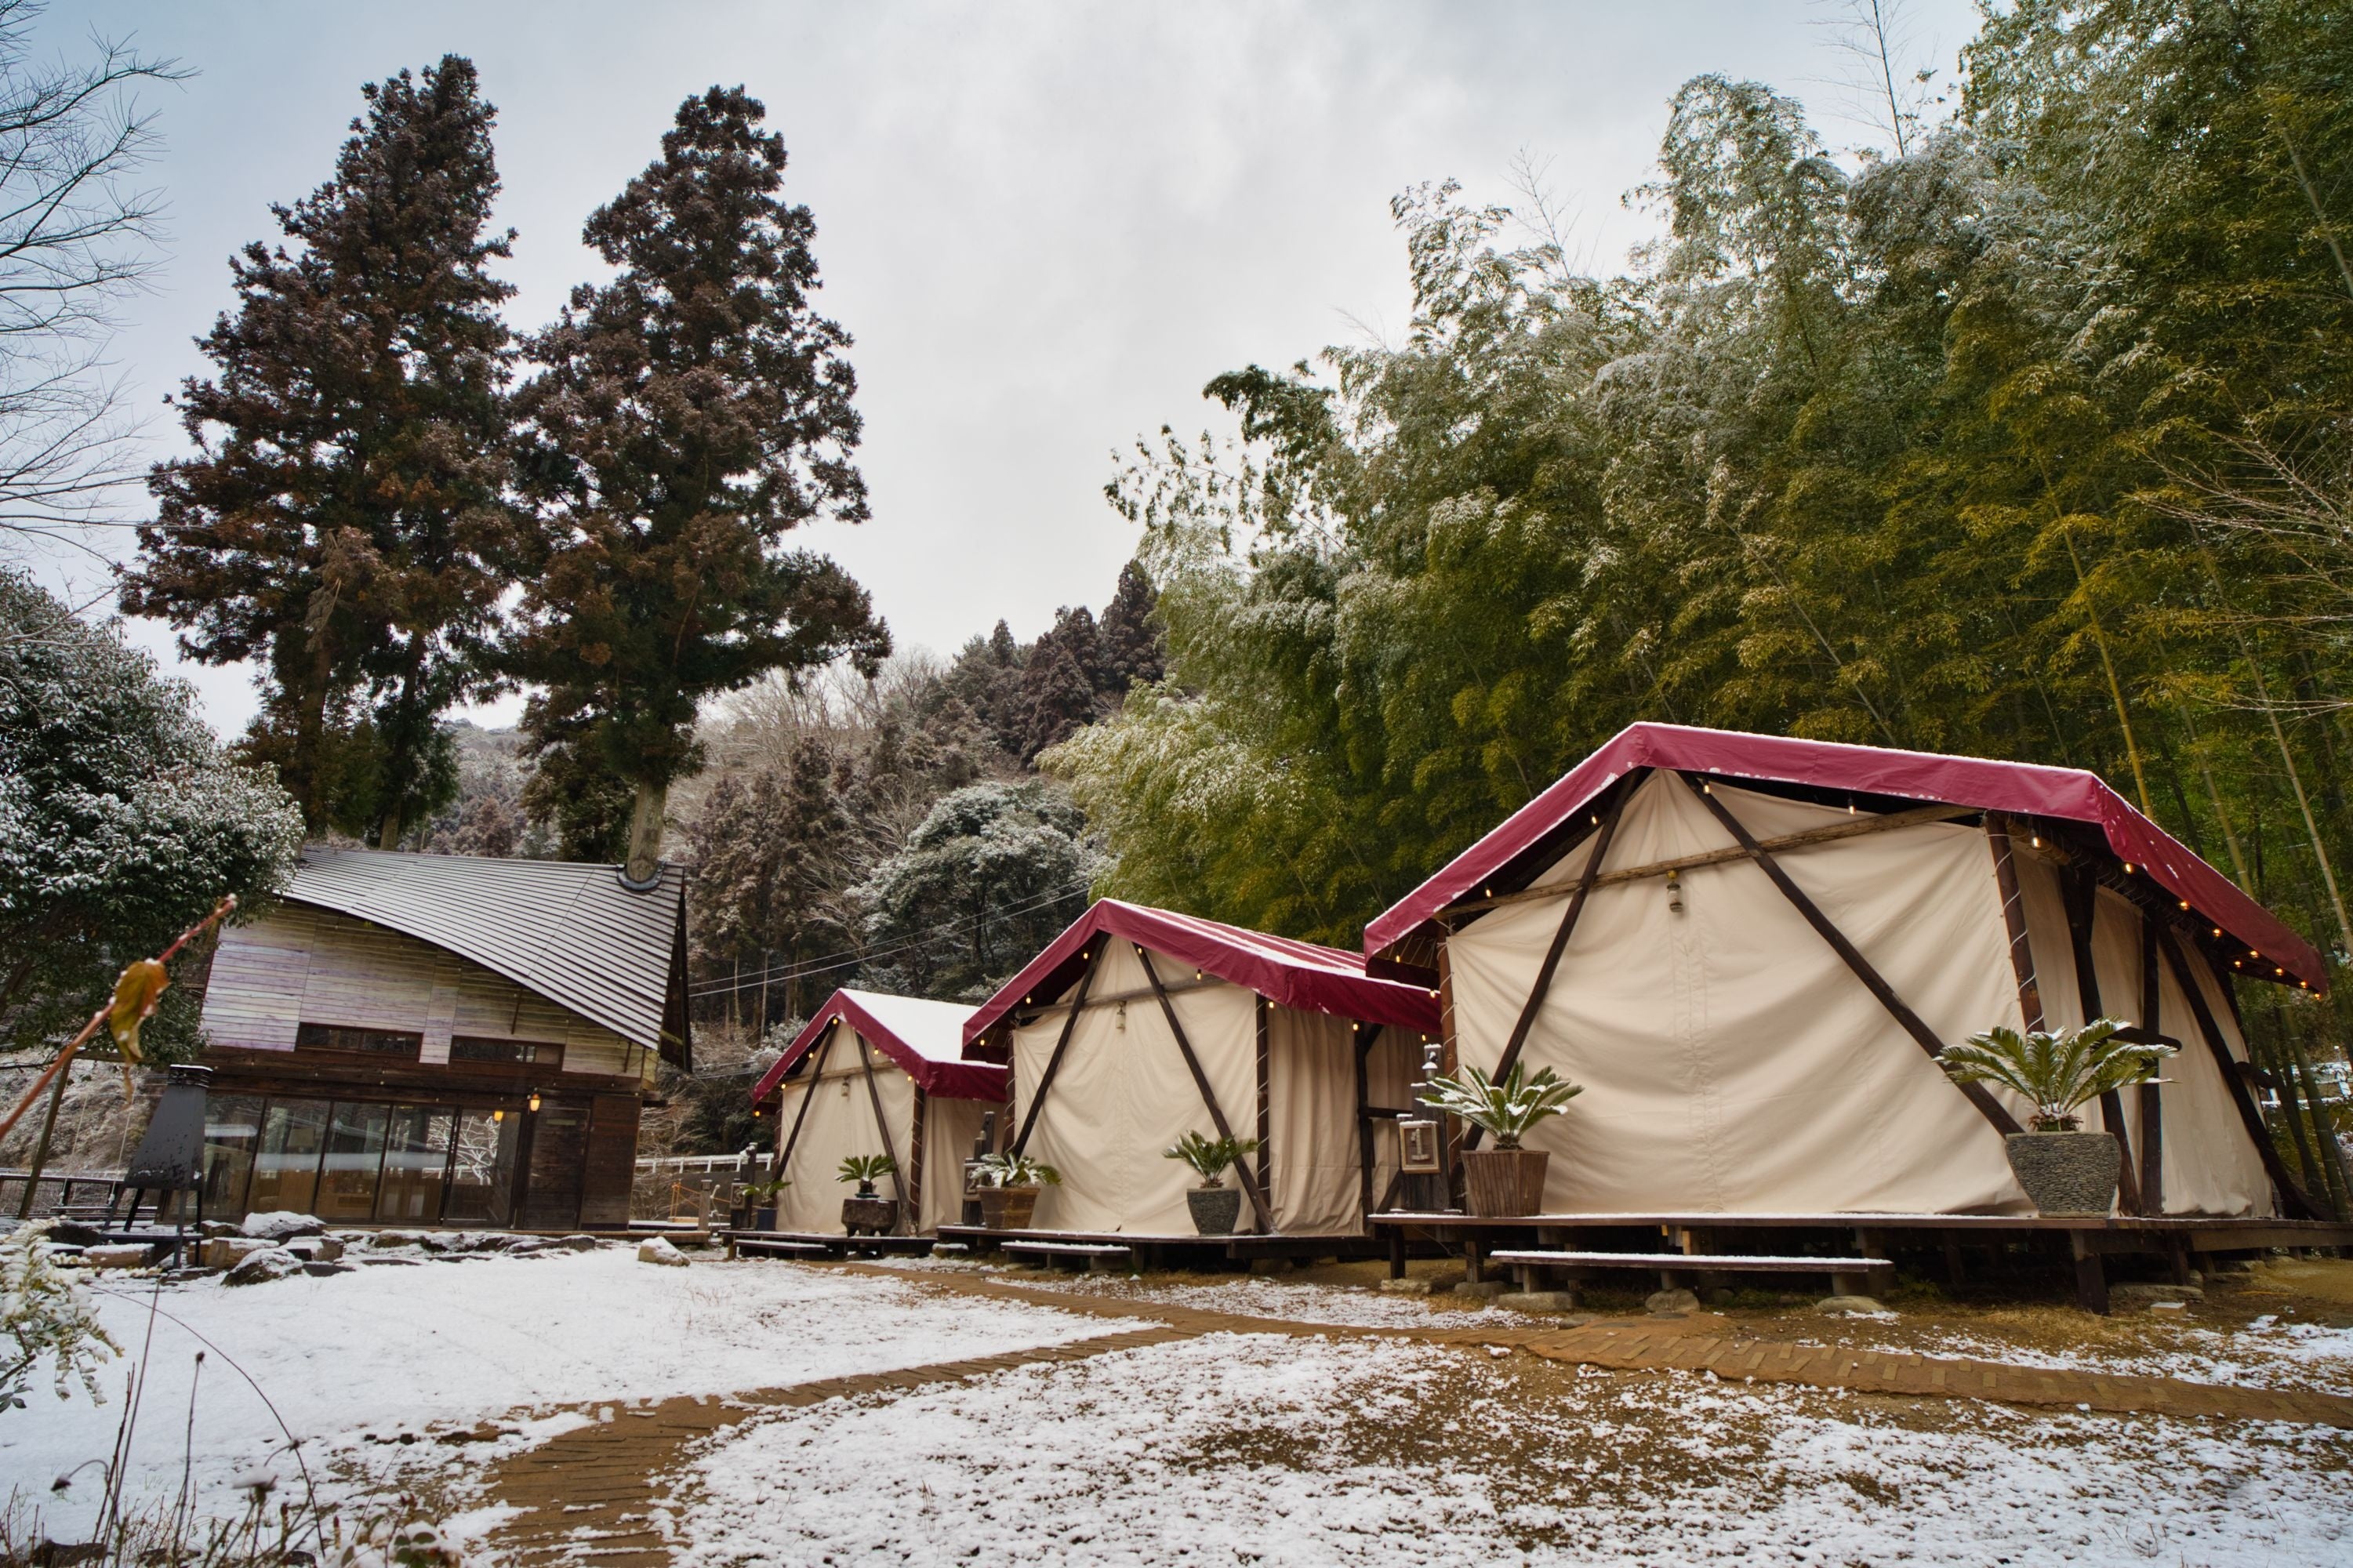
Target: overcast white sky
1047	226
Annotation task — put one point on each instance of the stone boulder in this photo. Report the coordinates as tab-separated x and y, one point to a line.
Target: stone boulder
660	1250
281	1225
1851	1307
1671	1303
315	1248
119	1255
275	1263
228	1251
2141	1297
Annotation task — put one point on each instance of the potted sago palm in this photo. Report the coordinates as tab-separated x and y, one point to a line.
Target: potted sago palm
1505	1179
762	1196
1215	1205
866	1211
2064	1169
1009	1185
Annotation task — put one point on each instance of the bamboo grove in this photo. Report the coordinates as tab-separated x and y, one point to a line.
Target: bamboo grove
2030	435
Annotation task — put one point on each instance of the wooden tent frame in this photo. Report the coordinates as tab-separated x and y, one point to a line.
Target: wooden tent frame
906	1179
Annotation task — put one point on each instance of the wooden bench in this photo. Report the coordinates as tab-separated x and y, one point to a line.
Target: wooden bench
776	1246
1848	1276
1097	1256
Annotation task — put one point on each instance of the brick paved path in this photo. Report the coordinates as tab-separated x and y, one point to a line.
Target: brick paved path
591	1495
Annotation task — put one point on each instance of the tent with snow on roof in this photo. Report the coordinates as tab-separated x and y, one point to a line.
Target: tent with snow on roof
1748	950
1137	1025
874	1074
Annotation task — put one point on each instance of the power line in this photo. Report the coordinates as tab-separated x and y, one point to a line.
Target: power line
846	959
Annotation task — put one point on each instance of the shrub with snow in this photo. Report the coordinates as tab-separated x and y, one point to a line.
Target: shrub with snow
44	1315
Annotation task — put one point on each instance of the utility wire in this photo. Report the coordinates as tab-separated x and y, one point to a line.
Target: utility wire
846	960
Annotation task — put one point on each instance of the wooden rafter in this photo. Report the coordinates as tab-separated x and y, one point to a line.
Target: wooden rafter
1829	833
1061	1043
2235	1085
816	1071
1586	881
916	1158
1923	1035
1257	1194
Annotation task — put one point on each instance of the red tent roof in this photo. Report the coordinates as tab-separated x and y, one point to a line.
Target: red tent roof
1297	975
2024	788
923	1038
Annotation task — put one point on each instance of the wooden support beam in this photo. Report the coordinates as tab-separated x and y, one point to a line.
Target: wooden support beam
1542	986
915	1161
2291	1195
2091	1275
2013	920
883	1125
2079	891
1926	1037
1251	1187
808	1092
2152	1108
1365	1127
1061	1043
1856	827
1261	1037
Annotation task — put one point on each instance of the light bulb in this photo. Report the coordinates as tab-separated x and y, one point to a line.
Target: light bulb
535	1099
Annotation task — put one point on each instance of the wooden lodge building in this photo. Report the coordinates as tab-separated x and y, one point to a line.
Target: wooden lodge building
437	1039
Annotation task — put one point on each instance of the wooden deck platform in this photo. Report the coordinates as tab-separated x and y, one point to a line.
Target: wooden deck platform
1161	1251
822	1243
2089	1238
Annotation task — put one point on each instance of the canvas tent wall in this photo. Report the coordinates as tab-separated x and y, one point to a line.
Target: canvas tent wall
1751	1047
874	1074
1138	1025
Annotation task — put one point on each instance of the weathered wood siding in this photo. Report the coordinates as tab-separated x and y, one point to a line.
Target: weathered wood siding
300	966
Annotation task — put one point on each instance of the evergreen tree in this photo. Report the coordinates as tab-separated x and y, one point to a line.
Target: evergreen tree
693	411
1127	638
340	516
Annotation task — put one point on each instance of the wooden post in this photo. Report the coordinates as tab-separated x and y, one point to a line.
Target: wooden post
915	1163
1913	1024
1448	1180
1265	1097
2013	919
2080	891
2091	1275
41	1147
1559	944
1257	1194
1061	1043
1365	1131
882	1123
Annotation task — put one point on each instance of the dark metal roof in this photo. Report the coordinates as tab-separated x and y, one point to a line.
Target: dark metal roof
563	930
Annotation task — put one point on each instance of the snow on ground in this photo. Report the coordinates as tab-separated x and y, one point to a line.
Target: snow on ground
2268	1352
390	1348
1262	1449
1248	1296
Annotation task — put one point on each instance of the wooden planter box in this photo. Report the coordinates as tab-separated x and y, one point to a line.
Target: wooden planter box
1008	1208
1502	1182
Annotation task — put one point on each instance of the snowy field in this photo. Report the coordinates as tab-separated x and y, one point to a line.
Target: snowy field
392	1348
1257	1450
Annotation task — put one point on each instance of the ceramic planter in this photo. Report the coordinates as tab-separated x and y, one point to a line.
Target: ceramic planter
1497	1183
870	1215
1008	1208
1215	1209
2066	1173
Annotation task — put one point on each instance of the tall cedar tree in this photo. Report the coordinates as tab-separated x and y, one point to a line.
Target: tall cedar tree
345	497
692	412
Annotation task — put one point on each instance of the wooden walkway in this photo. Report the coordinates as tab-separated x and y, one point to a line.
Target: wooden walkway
593	1495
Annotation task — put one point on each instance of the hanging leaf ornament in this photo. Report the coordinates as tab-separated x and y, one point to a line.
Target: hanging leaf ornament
135	995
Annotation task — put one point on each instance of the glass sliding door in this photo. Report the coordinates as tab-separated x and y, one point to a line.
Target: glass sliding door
355	1160
481	1169
232	1132
285	1171
416	1159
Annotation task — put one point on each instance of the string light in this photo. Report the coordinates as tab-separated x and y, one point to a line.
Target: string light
498	1116
534	1100
2037	841
2128	869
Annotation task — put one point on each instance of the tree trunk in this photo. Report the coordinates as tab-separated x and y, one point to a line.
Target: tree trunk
310	734
644	864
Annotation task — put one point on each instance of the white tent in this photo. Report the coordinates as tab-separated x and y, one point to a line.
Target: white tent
874	1074
1138	1025
1746	949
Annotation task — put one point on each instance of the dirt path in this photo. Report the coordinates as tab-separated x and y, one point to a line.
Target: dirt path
595	1494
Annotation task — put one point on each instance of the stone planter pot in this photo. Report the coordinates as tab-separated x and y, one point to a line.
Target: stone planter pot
1500	1182
870	1215
1215	1209
1008	1208
2066	1173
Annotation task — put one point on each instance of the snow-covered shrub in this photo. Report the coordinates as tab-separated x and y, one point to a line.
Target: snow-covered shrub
44	1315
